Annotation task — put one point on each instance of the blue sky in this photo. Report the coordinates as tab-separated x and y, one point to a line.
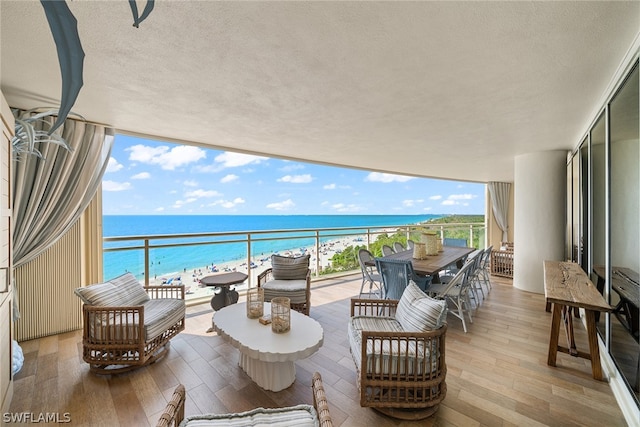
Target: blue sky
146	177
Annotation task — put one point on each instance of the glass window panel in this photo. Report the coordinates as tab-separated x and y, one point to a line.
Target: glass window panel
625	229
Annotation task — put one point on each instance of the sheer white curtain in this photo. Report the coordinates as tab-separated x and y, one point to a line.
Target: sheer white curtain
50	194
499	192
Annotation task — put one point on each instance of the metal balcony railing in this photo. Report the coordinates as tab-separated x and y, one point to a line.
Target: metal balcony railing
249	251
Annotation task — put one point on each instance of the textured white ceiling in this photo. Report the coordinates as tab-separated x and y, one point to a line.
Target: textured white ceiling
442	89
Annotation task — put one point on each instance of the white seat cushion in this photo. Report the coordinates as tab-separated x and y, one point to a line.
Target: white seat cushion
293	416
295	290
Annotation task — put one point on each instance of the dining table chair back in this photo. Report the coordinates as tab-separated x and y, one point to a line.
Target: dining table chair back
447	241
456	291
386	250
369	274
396	274
410	244
398	247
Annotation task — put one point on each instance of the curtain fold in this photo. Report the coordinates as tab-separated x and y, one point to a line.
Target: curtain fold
50	194
499	192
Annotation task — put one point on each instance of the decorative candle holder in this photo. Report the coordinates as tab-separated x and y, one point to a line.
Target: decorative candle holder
440	248
419	250
280	314
255	303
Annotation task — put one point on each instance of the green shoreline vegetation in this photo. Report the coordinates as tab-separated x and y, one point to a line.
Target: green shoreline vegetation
347	260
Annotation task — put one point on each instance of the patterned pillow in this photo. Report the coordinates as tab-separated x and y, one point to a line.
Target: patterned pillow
287	268
418	312
299	416
123	291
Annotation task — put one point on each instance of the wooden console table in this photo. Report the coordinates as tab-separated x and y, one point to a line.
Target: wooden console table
568	287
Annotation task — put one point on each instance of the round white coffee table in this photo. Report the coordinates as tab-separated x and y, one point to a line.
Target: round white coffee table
267	357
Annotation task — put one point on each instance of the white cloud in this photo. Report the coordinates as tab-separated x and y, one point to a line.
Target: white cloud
341	207
329	187
461	197
229	204
190	183
409	203
291	167
435	197
141	175
386	177
113	165
197	194
281	206
454	199
167	159
229	178
160	209
115	186
296	179
232	160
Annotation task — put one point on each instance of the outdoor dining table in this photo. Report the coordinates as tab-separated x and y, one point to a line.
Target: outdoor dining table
432	264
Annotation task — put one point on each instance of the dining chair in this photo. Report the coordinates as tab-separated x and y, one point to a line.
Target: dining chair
456	292
447	241
410	244
483	273
396	274
398	247
386	250
369	275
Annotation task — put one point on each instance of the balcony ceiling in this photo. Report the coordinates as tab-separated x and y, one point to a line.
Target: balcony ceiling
438	89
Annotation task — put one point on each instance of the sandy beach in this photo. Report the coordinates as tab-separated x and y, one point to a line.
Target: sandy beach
191	277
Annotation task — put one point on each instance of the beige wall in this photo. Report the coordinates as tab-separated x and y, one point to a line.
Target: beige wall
494	233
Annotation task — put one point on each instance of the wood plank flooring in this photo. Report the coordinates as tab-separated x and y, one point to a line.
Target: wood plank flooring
497	372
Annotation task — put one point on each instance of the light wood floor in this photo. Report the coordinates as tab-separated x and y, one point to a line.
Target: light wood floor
497	372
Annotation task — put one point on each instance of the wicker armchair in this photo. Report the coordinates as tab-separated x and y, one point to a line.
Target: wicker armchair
127	325
288	277
400	373
173	414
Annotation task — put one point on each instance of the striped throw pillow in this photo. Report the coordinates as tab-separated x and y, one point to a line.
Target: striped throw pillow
293	416
124	290
418	312
287	268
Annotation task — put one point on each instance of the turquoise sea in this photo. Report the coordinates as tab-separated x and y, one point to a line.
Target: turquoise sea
175	259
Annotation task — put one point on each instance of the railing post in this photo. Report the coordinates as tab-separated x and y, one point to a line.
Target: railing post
442	233
249	261
146	262
471	235
317	253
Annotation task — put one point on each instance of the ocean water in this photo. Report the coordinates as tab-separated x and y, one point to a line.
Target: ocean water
218	251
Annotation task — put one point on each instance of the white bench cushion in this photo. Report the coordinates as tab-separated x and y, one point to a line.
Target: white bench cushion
295	290
293	416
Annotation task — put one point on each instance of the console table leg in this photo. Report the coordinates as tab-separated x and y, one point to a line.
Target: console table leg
594	350
555	330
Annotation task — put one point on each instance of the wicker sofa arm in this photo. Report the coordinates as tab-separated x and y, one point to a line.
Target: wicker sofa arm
373	307
320	401
113	325
265	276
173	413
164	291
